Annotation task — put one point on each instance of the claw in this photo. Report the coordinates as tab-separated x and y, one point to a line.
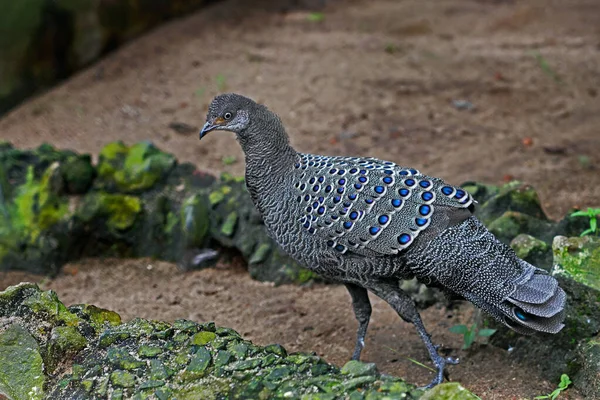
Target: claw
440	364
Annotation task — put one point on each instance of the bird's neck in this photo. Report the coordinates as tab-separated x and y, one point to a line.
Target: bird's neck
270	159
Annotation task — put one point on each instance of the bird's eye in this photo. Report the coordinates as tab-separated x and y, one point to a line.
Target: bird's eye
227	115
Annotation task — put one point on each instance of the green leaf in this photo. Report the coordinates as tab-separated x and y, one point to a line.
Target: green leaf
579	214
316	17
459	329
470	337
586	232
487	332
565	381
593	224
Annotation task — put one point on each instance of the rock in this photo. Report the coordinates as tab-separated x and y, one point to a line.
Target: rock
161	360
132	169
576	266
513	196
449	391
578	258
21	367
587	363
358	368
532	250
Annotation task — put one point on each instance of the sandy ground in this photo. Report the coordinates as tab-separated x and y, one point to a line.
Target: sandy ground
486	90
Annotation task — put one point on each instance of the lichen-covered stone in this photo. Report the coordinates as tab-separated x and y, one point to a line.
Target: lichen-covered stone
358	368
132	169
515	197
119	212
21	368
587	364
532	250
449	391
130	365
578	258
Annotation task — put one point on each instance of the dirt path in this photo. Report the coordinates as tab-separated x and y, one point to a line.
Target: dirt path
385	78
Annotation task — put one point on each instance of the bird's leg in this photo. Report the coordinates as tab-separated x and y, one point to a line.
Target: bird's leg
404	305
362	311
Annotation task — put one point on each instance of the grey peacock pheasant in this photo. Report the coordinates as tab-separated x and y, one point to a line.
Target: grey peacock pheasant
370	223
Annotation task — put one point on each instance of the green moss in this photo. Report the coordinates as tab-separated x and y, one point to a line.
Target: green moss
47	303
21	367
99	317
449	391
358	368
133	169
122	379
260	254
202	338
216	196
198	365
78	174
195	221
119	211
578	258
36	206
63	341
120	358
229	225
148	351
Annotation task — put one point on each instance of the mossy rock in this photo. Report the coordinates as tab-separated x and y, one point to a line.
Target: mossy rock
515	197
117	212
161	360
533	250
587	364
578	258
132	169
575	267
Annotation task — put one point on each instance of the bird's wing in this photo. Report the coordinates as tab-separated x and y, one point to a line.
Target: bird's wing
369	206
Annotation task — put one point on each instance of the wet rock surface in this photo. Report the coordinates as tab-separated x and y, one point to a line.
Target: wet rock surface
49	351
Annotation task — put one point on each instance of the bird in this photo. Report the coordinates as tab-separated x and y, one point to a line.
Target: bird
370	224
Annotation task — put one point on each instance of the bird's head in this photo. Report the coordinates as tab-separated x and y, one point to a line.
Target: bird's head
229	112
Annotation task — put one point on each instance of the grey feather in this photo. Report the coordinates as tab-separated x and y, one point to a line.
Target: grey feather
369	223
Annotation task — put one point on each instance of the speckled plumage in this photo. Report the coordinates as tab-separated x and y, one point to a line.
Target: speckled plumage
370	223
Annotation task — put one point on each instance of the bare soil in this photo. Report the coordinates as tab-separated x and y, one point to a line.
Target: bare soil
486	90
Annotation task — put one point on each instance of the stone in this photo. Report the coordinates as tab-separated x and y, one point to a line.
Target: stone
587	363
532	250
578	258
358	368
21	367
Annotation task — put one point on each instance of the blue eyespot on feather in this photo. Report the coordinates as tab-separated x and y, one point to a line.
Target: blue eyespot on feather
424	209
447	190
383	219
403	192
396	202
424	184
427	196
379	189
404	238
373	230
520	314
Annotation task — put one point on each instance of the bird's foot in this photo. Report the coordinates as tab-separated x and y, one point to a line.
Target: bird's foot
440	363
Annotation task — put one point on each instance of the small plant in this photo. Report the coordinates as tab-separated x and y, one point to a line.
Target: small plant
229	160
200	92
316	17
565	381
592	214
545	66
221	82
470	334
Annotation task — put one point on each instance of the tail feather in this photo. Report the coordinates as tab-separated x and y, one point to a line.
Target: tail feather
468	260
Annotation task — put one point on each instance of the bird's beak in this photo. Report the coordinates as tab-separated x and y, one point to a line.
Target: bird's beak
206	128
209	126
